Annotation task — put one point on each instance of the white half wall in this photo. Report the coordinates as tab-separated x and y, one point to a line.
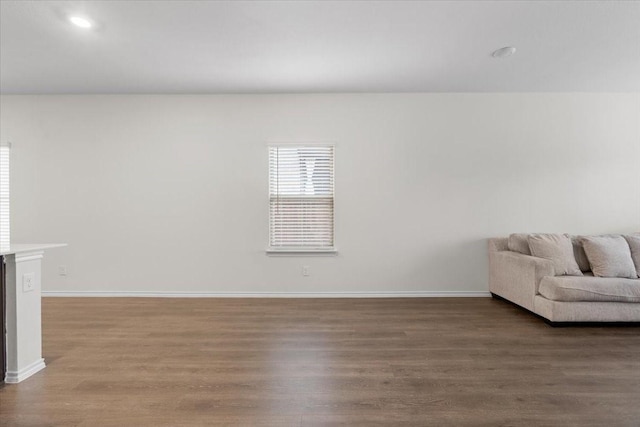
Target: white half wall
168	193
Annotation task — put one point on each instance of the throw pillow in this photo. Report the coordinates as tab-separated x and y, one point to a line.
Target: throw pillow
519	242
634	244
609	256
558	249
578	252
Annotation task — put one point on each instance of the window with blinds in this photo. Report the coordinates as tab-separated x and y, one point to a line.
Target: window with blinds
301	198
5	231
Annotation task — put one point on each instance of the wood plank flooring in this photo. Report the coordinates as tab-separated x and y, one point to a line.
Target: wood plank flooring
322	362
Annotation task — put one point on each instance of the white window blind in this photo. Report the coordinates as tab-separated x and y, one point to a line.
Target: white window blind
5	232
301	198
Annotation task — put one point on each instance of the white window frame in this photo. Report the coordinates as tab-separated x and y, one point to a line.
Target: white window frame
301	250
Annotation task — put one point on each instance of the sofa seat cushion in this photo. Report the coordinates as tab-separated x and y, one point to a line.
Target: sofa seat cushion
589	288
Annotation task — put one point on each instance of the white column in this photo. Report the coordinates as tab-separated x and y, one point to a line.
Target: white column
24	321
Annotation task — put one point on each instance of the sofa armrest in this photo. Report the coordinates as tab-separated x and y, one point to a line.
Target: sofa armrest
497	244
516	276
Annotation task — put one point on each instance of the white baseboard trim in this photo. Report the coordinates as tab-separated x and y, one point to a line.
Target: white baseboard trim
390	294
13	377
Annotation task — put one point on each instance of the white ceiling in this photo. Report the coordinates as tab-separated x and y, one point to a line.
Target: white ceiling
319	46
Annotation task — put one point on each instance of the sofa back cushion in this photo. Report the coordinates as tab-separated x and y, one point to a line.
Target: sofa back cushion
558	249
519	242
634	244
609	256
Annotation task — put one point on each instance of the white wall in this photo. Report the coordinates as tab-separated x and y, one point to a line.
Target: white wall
169	193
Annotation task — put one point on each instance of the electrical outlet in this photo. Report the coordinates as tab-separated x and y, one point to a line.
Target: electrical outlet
305	270
62	270
28	282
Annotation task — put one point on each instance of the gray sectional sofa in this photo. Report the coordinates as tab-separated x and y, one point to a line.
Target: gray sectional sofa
533	282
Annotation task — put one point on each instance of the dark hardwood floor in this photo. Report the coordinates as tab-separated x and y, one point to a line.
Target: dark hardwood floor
317	362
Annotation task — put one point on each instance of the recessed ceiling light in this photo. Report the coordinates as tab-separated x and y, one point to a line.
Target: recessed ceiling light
81	22
504	52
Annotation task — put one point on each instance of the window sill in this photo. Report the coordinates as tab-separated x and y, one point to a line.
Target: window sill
302	252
